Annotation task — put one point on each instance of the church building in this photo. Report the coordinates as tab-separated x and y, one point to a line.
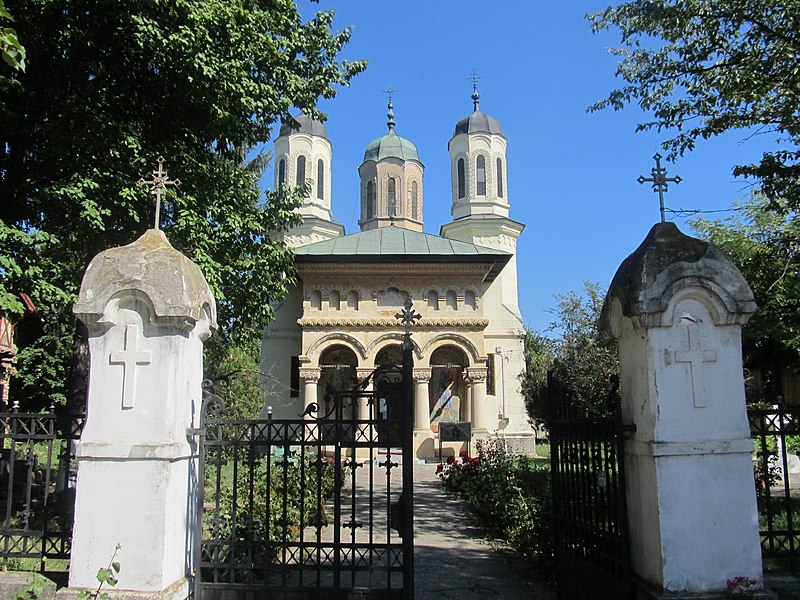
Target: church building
338	323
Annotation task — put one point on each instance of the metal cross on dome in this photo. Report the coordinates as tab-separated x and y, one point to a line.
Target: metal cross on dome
660	181
390	91
159	184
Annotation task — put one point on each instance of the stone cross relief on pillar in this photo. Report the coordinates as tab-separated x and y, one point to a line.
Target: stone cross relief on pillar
129	357
695	357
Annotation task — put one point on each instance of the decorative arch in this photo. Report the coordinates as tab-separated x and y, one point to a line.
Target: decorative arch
716	300
388	339
459	340
332	339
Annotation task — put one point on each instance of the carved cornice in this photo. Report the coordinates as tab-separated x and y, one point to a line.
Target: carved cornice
383	323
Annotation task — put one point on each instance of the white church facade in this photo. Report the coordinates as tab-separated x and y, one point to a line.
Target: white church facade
338	323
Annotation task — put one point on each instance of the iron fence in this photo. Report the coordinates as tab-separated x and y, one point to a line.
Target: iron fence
776	434
308	508
37	489
589	504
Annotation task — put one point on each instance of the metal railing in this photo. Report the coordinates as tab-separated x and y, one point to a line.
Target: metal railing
776	434
37	489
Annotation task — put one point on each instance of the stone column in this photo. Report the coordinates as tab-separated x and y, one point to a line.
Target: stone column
677	306
466	405
148	310
422	415
310	377
363	401
481	411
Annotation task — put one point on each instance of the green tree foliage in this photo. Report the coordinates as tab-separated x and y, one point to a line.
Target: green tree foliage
703	67
582	357
765	245
109	87
11	50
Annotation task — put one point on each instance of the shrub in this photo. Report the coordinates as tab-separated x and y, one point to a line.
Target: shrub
510	493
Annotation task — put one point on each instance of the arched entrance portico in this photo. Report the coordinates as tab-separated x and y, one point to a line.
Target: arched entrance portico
337	373
447	400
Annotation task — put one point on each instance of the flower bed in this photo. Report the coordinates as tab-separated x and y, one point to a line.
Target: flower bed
511	494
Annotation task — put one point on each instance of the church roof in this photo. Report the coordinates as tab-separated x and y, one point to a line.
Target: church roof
397	244
306	125
478	122
391	145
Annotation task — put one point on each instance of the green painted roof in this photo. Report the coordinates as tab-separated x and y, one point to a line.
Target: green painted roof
399	245
395	241
391	145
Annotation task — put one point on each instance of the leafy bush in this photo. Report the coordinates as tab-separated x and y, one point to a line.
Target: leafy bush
511	493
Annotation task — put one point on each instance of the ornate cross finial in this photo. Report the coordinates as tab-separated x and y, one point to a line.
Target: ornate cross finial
408	315
390	115
475	95
159	184
660	181
390	91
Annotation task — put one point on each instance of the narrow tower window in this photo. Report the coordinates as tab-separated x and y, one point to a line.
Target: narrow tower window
282	172
391	192
370	200
414	200
480	168
320	179
499	177
462	179
300	179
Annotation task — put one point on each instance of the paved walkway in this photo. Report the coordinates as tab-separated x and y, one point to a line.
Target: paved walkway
452	557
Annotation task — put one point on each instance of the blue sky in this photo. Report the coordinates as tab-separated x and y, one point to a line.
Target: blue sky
571	175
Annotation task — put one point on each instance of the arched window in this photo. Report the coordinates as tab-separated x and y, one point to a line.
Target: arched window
469	299
334	300
414	200
499	177
462	179
480	175
320	179
451	300
300	179
370	200
352	300
282	172
391	195
316	300
433	300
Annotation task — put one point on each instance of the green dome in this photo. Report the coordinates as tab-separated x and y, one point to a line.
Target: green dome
391	145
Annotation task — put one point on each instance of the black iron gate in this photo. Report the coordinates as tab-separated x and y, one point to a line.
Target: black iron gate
589	507
318	507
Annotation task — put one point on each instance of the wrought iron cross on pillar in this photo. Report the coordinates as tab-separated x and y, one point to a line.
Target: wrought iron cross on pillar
159	184
409	317
660	181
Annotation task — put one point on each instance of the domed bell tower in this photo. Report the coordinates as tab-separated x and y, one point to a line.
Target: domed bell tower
303	155
391	182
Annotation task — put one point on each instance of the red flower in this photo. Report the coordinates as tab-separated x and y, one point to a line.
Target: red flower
439	468
451	460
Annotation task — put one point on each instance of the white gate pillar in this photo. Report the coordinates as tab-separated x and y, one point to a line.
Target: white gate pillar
677	305
148	310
